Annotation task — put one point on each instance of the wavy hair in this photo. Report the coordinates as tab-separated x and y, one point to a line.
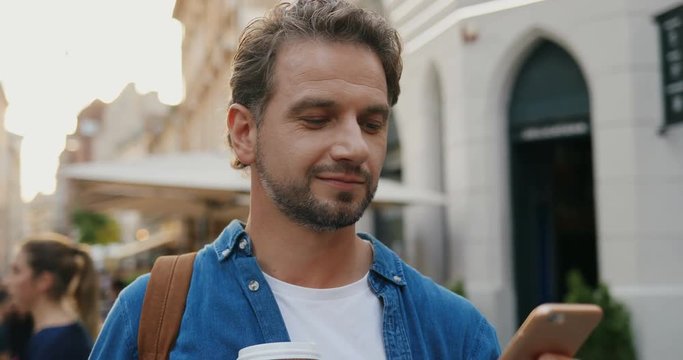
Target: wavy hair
252	79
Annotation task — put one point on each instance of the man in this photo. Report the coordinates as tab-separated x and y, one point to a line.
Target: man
312	88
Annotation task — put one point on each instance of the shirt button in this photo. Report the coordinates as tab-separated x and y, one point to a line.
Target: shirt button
243	244
225	253
397	278
253	285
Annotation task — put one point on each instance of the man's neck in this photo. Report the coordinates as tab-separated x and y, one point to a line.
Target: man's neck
298	255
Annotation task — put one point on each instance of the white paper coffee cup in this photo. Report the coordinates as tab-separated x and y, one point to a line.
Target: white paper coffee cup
280	351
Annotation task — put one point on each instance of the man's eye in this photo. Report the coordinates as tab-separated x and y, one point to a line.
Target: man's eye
373	126
315	121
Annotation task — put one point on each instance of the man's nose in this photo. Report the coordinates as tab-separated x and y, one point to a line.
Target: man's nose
350	144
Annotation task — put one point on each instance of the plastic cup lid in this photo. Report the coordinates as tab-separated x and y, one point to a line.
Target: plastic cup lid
280	351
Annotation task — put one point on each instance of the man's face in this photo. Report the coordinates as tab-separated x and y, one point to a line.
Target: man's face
322	139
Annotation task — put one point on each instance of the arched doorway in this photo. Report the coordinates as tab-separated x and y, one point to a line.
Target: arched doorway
551	162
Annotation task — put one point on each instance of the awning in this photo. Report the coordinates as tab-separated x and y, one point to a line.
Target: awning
171	235
194	170
128	249
193	179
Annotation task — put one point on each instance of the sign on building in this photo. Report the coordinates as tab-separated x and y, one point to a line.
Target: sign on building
671	40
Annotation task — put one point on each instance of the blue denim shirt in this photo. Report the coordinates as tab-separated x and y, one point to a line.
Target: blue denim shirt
230	306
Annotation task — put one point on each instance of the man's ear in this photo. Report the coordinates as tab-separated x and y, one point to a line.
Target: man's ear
242	128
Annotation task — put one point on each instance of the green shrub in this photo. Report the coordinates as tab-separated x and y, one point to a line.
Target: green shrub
612	339
95	228
458	287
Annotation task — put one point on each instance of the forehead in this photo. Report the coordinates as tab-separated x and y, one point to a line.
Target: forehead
308	64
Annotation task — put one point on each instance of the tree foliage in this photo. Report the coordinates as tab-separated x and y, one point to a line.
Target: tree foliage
95	228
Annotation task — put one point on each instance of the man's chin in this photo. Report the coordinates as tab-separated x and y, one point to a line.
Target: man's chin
342	203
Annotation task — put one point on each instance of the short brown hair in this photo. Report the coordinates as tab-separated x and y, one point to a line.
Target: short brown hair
331	20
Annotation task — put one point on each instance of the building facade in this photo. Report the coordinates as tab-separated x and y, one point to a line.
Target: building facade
544	120
211	32
130	127
11	205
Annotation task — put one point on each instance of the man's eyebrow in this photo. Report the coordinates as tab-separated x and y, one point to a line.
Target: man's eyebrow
310	103
377	109
317	103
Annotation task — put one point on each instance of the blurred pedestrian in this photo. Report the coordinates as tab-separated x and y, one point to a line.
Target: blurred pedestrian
111	293
117	285
54	280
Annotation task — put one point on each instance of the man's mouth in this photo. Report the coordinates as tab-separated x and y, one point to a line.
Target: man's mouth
344	178
342	181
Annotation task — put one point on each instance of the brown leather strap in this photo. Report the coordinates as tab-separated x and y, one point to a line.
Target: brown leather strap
163	306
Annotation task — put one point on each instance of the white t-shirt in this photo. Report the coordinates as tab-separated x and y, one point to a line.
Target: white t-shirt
344	322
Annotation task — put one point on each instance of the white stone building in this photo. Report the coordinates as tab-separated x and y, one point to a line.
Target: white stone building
128	125
11	206
543	118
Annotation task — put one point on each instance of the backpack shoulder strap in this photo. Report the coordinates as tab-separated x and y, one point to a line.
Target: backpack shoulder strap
163	305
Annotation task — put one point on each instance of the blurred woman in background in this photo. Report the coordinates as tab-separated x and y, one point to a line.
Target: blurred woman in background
54	280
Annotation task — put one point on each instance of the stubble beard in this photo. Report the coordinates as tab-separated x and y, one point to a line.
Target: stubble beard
296	200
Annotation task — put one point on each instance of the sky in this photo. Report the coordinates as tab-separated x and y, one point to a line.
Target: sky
58	56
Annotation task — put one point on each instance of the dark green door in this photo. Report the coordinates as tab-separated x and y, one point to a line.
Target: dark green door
552	177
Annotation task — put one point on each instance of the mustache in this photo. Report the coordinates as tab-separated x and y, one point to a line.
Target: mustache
344	168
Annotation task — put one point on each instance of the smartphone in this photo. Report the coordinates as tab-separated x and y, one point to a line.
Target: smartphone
553	328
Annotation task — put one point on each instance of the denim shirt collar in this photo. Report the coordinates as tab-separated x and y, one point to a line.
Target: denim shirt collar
229	237
385	263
